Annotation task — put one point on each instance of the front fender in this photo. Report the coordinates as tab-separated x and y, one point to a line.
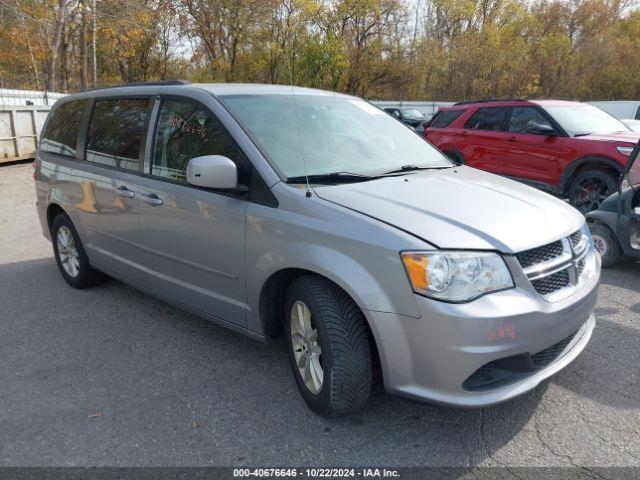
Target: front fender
606	217
358	253
360	282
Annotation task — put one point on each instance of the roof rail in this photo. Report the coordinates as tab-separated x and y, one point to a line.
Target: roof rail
488	100
141	84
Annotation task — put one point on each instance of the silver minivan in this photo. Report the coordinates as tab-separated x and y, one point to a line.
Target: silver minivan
282	211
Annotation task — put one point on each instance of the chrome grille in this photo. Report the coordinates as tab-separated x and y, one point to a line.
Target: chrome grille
557	265
540	254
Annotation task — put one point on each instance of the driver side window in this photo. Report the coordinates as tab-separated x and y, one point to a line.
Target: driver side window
523	119
186	130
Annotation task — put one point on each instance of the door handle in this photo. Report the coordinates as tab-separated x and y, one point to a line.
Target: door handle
152	198
125	192
512	139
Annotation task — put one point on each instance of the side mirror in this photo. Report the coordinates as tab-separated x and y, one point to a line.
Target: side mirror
212	171
541	129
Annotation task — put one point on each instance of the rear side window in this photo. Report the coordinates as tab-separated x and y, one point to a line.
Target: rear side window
638	114
61	134
116	132
489	118
444	118
186	130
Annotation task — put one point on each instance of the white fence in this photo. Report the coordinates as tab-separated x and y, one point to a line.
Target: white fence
16	98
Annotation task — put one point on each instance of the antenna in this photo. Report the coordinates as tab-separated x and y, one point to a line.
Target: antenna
295	110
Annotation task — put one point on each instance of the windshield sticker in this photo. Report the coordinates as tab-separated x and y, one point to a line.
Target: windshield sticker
366	107
189	127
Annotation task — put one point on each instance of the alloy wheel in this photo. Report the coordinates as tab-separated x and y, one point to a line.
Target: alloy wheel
68	251
306	347
590	193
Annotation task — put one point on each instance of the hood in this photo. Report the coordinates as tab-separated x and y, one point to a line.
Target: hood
461	208
629	137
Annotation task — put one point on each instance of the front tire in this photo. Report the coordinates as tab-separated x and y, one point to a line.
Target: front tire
590	188
606	244
70	255
328	344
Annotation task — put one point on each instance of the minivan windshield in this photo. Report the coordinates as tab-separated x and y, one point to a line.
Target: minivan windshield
337	134
582	119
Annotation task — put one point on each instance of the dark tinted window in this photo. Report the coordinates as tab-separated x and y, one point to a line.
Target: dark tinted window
187	130
524	118
490	118
444	118
116	132
638	114
61	134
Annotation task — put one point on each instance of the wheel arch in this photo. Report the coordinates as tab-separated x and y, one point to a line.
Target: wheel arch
53	210
272	297
586	163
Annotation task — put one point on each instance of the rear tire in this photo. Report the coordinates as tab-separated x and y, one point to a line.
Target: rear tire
336	342
606	244
70	255
590	187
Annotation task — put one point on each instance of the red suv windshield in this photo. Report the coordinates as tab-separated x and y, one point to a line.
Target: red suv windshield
583	119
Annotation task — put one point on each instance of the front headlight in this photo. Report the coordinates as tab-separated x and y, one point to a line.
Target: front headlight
626	151
456	276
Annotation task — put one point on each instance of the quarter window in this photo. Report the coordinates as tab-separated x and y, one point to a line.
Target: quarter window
117	132
61	134
186	130
523	119
490	118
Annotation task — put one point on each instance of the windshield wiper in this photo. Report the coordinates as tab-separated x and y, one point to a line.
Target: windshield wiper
413	168
332	177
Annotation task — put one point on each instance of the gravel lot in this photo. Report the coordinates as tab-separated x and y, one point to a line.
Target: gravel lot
114	377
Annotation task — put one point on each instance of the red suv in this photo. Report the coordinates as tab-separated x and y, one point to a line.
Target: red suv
570	149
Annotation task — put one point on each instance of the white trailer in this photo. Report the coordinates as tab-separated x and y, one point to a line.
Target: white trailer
20	127
22	114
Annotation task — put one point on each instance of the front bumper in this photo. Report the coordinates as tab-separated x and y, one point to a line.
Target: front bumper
429	358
